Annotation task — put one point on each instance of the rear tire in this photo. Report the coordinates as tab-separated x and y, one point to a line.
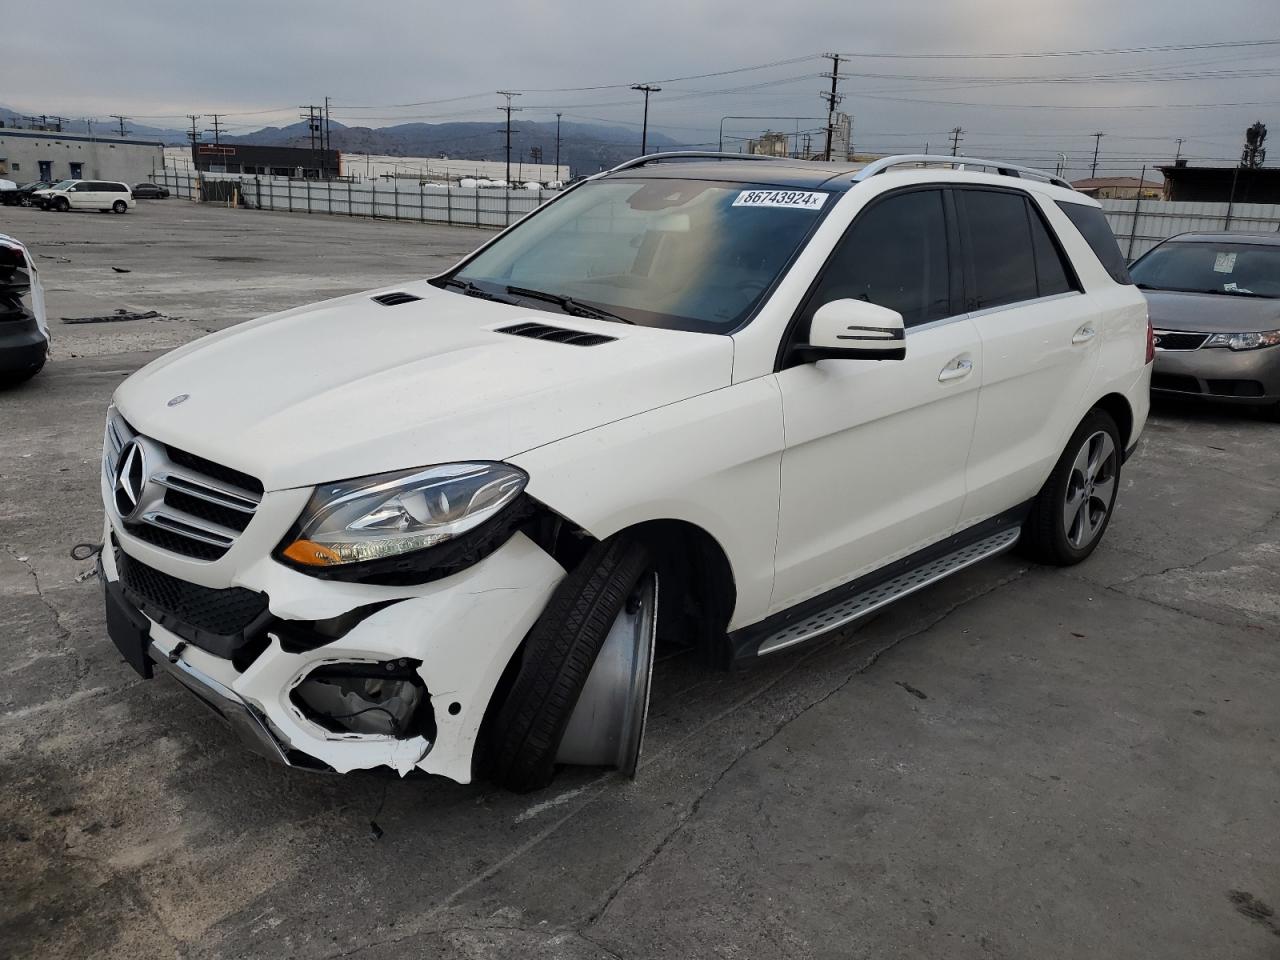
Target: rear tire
119	206
1073	509
521	741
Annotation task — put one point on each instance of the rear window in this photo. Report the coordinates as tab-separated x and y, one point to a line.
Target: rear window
1093	226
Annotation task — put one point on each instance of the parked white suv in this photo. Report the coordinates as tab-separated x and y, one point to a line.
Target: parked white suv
725	402
104	195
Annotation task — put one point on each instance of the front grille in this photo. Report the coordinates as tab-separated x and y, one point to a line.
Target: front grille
1236	388
1174	381
220	621
1172	340
186	505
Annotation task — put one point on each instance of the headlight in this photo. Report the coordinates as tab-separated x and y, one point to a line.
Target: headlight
1244	341
385	516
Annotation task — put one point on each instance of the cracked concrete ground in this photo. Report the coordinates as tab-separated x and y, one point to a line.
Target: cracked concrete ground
1018	762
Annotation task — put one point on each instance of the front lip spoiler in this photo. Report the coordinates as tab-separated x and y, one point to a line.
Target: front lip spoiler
245	721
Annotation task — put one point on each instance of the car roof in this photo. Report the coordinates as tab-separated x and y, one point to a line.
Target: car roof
780	172
1237	236
789	173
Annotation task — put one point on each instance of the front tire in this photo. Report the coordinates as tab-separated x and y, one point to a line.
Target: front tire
1073	509
62	205
522	740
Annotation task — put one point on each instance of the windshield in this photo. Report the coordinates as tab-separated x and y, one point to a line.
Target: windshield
1240	269
681	254
63	184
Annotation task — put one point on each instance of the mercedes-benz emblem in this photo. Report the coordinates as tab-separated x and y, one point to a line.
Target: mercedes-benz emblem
174	401
131	476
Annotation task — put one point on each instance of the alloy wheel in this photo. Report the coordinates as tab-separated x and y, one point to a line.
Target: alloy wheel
1091	489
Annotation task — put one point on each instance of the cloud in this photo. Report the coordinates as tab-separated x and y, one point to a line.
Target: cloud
158	61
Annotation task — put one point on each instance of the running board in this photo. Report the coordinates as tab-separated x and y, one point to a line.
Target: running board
861	604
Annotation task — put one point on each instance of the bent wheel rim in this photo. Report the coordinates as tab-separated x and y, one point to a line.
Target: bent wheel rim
1091	488
606	728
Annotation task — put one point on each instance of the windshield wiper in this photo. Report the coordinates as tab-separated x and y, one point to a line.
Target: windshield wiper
470	289
569	305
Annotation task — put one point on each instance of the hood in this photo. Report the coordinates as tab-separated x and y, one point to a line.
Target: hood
1212	312
350	387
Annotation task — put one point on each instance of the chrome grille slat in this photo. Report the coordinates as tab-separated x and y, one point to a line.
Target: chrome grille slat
192	507
176	521
210	490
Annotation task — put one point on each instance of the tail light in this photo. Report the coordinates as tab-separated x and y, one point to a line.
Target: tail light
1151	341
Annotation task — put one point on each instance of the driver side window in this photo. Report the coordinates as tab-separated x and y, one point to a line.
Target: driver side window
894	255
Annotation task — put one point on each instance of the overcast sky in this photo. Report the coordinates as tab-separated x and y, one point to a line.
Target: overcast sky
256	61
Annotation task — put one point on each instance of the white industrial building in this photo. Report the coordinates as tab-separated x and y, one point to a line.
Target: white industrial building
27	155
447	170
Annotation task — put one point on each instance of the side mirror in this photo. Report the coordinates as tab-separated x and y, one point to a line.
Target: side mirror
855	330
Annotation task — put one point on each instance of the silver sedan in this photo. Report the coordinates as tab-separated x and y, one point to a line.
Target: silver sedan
1215	306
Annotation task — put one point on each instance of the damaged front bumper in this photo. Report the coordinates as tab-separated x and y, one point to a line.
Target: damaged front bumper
457	634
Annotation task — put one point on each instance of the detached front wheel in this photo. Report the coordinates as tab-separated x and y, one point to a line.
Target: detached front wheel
581	691
1074	507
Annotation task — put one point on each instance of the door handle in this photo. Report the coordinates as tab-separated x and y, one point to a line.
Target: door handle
1084	334
957	369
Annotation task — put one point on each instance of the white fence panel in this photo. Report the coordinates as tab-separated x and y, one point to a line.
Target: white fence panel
388	199
1157	220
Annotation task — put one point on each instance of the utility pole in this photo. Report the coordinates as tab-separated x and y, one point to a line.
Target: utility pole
116	116
328	134
646	89
508	110
557	146
956	134
1097	142
216	129
313	130
59	121
1177	154
833	99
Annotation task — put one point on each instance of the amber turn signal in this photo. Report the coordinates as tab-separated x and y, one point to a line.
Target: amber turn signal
310	553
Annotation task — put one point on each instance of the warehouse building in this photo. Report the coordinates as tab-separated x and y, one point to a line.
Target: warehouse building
252	158
1222	184
367	166
27	155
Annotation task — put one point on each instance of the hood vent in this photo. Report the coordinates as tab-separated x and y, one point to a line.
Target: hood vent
395	299
541	331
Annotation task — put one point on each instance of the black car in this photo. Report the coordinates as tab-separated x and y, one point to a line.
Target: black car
149	191
22	196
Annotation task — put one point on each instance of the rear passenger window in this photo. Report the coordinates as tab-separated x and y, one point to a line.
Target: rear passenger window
895	256
997	240
1052	272
1093	226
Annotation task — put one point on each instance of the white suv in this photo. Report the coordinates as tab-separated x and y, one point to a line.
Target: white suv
725	402
104	195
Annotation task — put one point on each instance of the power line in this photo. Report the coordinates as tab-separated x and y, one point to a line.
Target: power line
1096	52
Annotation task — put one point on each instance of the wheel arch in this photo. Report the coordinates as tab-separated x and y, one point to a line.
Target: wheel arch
1116	405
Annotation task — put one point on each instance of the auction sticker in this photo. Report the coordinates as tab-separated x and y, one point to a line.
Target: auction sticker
796	199
1224	263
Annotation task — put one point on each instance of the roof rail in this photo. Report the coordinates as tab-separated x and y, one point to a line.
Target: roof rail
921	159
686	155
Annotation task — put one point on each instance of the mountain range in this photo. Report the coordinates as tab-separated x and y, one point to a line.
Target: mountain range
585	147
